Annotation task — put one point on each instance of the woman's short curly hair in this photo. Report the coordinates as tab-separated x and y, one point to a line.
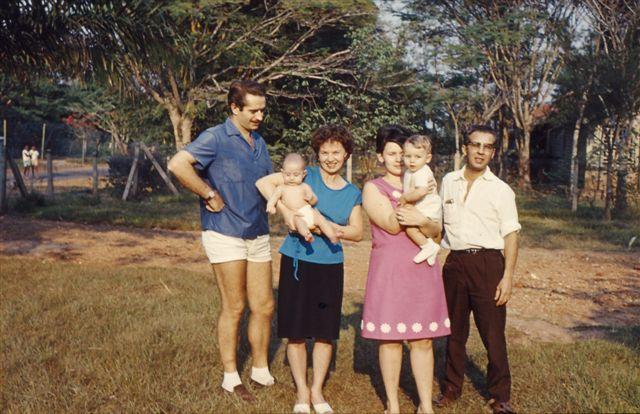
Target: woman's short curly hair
332	133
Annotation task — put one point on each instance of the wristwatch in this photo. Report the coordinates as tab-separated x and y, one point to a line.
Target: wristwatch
210	195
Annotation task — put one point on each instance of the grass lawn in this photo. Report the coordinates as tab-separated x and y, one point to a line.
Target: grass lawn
82	338
546	219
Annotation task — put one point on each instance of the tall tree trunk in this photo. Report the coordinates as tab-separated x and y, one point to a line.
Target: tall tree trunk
504	146
457	158
573	177
182	124
608	199
524	158
621	203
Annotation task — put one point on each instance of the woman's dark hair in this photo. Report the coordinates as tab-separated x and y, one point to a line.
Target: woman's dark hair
240	88
332	133
485	129
391	133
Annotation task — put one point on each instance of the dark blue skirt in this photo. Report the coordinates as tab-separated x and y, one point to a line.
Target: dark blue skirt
311	305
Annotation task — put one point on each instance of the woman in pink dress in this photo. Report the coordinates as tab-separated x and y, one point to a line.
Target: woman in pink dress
404	301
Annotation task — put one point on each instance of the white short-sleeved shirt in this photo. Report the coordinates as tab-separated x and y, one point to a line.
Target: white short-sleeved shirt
26	156
34	155
430	206
487	215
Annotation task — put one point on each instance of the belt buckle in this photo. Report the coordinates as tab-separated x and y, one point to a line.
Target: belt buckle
474	251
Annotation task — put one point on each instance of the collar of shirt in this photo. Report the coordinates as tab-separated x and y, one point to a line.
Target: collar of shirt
487	175
232	130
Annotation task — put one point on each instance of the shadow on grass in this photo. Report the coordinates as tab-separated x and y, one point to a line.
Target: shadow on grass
365	361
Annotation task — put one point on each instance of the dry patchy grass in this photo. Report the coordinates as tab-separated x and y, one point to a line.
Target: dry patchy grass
81	338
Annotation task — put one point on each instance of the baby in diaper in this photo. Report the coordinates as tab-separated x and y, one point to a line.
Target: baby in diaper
299	197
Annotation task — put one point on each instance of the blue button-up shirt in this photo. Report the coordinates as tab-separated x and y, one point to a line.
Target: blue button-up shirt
232	167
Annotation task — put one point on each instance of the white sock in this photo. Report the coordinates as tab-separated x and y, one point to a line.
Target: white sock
231	380
262	376
426	250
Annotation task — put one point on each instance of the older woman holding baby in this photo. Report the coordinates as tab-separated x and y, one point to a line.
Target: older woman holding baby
311	267
404	300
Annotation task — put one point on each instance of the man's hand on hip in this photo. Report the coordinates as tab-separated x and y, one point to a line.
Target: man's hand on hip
214	204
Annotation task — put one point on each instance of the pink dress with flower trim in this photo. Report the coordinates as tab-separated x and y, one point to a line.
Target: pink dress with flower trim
403	300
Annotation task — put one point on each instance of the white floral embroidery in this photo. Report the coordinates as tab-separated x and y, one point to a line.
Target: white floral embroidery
385	328
401	327
361	324
416	327
447	322
433	326
371	327
396	194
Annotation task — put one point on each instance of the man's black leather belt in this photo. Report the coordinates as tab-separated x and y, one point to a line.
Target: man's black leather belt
474	251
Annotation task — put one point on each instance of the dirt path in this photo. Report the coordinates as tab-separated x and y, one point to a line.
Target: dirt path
560	295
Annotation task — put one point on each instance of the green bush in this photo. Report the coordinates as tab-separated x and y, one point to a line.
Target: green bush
149	181
30	203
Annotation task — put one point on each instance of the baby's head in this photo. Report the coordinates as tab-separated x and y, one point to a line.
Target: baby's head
417	152
293	169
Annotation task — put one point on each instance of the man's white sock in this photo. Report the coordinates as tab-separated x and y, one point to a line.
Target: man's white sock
262	376
231	380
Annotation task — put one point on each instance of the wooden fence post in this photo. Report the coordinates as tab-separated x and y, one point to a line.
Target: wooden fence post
3	177
49	174
44	131
132	172
17	176
158	168
95	174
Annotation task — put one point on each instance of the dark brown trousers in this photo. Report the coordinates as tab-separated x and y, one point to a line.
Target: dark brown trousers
470	281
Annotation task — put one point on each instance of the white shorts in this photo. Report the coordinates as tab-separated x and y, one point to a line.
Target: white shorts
307	212
221	248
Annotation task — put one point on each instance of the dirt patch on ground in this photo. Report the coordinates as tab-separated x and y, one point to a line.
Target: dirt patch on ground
560	295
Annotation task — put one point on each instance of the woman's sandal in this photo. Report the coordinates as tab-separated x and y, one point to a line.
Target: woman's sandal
302	408
322	408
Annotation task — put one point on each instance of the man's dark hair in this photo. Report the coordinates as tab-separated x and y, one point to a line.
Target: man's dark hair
485	129
240	88
332	132
391	133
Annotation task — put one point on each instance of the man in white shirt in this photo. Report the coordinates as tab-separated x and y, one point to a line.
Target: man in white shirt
480	221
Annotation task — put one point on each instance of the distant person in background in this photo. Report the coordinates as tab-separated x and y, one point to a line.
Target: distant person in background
26	161
480	223
221	166
35	157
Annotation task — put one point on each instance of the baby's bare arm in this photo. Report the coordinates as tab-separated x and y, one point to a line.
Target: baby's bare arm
309	195
273	200
415	195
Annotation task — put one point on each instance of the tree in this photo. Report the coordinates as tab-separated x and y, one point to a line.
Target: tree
186	54
617	23
383	90
521	43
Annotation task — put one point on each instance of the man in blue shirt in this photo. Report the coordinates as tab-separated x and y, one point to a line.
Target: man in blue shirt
221	166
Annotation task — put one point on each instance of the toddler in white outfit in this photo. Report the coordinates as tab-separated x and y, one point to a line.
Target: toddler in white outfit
418	176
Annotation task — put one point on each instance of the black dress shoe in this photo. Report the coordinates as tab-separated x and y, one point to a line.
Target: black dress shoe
445	400
502	408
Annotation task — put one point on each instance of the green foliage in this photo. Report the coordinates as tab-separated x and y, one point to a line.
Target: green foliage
548	222
383	91
152	212
149	181
29	204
